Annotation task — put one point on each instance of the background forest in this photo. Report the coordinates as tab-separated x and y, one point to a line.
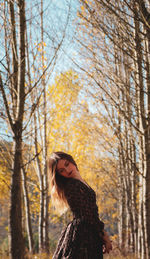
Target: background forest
74	76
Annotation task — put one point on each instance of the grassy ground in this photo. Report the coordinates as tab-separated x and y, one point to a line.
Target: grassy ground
44	256
119	257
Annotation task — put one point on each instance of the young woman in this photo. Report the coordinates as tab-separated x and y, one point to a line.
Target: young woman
84	237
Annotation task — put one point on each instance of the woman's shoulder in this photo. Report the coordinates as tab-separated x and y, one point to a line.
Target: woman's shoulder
72	186
72	182
77	184
75	181
76	189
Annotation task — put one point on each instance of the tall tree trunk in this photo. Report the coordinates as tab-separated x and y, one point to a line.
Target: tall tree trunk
121	206
45	144
17	240
41	216
27	212
40	177
134	194
147	61
144	141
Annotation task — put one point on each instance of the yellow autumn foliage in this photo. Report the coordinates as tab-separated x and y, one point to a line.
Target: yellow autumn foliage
72	128
74	131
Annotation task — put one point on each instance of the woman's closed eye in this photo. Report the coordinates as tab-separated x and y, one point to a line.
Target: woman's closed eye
66	163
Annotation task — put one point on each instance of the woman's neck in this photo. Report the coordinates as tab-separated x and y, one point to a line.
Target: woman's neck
78	177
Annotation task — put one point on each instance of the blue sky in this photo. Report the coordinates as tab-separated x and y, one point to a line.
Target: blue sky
55	16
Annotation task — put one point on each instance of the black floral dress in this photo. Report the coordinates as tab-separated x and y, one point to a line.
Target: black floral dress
82	238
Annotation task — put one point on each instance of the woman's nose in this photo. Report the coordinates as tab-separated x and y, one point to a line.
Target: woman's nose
67	170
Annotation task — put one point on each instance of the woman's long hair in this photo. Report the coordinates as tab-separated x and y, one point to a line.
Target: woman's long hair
57	181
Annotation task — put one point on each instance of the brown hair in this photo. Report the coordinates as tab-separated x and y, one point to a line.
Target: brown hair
57	181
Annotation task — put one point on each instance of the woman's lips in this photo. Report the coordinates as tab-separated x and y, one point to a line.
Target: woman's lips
70	173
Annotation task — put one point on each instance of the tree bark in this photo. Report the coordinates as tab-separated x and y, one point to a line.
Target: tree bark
45	247
27	213
17	240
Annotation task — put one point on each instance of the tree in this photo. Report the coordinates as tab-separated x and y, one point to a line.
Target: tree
16	85
117	53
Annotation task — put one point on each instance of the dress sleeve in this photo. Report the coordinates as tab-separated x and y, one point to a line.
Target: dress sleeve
82	202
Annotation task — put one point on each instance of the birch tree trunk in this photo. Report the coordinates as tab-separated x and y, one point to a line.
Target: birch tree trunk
40	177
146	15
27	213
43	226
142	242
45	145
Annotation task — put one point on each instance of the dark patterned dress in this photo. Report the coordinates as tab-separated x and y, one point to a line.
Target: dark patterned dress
82	238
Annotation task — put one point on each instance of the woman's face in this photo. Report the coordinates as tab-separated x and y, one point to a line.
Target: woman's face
66	168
